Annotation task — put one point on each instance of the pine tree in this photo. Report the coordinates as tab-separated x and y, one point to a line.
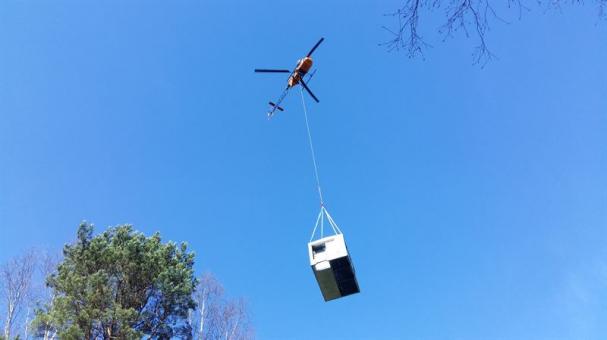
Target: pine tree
120	285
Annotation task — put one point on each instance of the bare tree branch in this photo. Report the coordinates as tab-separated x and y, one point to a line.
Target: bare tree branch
15	284
464	13
219	318
407	36
472	17
44	296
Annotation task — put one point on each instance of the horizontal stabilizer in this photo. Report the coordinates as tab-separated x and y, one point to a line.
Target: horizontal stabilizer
276	106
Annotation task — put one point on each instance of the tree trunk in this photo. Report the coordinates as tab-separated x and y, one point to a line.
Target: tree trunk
200	329
234	329
27	321
9	320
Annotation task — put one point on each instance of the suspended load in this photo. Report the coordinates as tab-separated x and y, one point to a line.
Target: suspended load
331	262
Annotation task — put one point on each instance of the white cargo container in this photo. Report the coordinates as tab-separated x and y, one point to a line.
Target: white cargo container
332	267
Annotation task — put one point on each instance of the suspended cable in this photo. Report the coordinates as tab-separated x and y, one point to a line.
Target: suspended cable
303	102
323	211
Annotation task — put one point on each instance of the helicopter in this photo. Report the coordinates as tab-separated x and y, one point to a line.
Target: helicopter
296	77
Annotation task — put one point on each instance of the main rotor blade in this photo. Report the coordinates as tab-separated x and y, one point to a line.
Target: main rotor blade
308	89
315	46
271	70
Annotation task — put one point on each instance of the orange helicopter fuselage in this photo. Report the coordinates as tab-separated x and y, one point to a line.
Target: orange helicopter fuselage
303	66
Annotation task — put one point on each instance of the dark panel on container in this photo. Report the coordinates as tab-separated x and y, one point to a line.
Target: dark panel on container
344	275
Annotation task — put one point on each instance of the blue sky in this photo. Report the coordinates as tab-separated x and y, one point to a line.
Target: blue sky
473	201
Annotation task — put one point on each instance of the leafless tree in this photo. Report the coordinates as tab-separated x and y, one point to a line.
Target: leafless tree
219	318
472	17
233	321
15	287
47	263
207	296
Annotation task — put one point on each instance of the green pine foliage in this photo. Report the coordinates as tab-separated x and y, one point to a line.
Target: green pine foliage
120	285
